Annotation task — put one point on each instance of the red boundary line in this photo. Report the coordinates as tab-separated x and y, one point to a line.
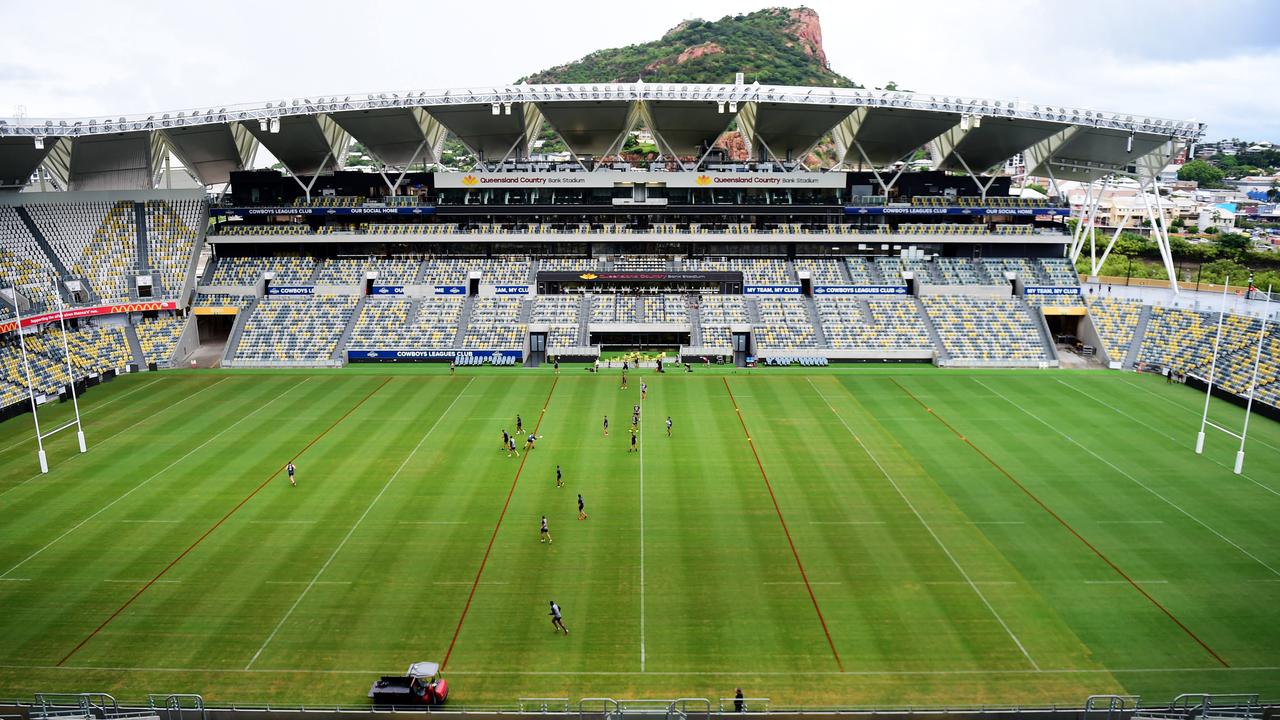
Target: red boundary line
497	526
778	509
215	526
1064	524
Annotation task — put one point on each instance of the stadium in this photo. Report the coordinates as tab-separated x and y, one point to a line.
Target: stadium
892	452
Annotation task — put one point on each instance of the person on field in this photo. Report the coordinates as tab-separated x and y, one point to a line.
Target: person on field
290	469
557	620
519	424
739	704
606	426
582	512
544	535
633	441
511	447
506	439
643	389
668	426
559	477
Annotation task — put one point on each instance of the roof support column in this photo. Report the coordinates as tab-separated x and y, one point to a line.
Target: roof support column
1096	267
876	173
1160	229
382	171
982	189
306	189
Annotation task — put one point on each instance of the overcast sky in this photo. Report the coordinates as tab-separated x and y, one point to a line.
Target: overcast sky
1217	62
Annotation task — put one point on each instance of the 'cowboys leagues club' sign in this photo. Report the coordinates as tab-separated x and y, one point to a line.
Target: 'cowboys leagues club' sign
609	178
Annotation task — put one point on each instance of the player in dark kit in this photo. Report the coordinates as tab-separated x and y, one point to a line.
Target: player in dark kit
506	439
633	442
606	426
668	426
544	535
582	513
519	425
559	477
289	468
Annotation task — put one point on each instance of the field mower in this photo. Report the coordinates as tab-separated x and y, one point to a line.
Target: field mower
421	684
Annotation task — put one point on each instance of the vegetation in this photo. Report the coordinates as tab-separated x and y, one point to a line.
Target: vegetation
1227	255
1203	173
762	44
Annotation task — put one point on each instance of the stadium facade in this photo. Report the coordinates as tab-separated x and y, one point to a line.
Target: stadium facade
777	258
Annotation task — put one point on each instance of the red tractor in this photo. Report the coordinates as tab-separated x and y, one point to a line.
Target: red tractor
420	685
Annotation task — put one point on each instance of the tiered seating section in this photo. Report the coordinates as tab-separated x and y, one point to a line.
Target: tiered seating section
385	323
873	324
755	271
1183	339
495	271
985	329
1116	321
238	270
158	337
295	328
665	309
569	265
822	271
96	241
613	309
563	316
495	325
22	262
352	270
784	324
172	229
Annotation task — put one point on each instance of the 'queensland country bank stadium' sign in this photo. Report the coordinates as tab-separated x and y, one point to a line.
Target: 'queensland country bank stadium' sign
609	178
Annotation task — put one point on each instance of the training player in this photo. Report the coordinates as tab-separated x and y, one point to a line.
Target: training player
668	426
559	477
528	444
557	622
511	447
624	377
506	439
606	426
555	364
292	481
633	441
519	424
643	389
582	513
544	535
453	367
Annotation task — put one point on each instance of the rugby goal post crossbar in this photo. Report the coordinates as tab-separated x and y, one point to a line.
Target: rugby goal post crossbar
1205	422
30	377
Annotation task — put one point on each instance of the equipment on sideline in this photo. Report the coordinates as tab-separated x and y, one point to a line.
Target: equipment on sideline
421	684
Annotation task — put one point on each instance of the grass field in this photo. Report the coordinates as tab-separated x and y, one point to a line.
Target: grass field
874	536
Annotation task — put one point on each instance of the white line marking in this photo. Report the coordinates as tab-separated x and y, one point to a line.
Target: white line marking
801	582
29	438
16	579
166	522
354	527
160	472
640	440
152	416
1175	440
1135	480
925	523
975	582
1126	582
711	673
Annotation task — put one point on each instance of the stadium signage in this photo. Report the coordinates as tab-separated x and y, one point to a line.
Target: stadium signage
81	312
771	290
510	289
860	290
608	178
450	290
959	211
598	277
369	355
1057	290
290	210
216	310
291	290
386	290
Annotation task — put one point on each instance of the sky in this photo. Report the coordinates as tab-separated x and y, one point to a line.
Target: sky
1216	62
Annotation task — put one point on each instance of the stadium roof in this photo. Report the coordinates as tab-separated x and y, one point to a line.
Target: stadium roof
309	135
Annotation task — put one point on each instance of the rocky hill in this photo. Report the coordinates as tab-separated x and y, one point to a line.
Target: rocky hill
777	46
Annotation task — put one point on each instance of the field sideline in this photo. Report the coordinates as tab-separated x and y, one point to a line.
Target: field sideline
871	536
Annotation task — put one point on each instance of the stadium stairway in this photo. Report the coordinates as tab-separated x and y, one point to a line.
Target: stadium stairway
819	333
843	268
144	254
237	329
340	349
464	319
48	251
135	347
584	318
1042	325
753	312
695	325
1135	345
314	277
934	337
421	274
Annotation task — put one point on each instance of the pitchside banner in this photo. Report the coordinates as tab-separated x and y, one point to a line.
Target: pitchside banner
608	178
386	290
510	289
366	355
290	210
1062	290
957	211
771	289
73	313
450	290
861	290
291	290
